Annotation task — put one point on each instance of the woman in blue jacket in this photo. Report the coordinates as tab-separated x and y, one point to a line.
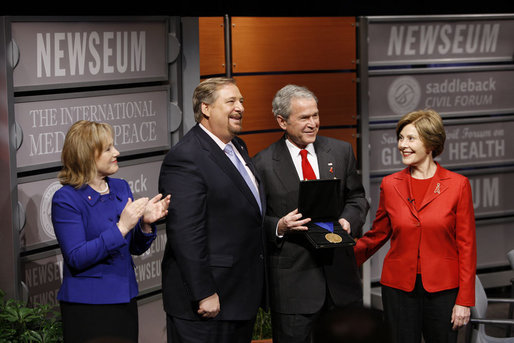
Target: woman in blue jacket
99	226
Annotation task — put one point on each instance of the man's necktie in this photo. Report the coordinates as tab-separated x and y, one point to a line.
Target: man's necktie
308	172
242	170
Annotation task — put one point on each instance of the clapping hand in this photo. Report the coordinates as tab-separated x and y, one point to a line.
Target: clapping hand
131	213
156	208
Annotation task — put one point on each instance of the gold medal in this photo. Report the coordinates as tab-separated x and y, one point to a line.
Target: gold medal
333	238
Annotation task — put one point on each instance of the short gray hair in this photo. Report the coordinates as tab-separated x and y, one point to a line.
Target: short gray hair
282	102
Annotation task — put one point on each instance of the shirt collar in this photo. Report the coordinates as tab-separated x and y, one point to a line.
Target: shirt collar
214	138
295	151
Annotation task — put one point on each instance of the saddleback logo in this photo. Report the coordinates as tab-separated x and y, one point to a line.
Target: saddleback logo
403	95
45	213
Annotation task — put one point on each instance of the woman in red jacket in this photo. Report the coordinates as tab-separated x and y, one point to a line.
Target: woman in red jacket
428	275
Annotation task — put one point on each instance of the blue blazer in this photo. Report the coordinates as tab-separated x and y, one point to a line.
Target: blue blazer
98	266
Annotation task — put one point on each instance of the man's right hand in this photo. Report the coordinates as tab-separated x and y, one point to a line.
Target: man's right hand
292	222
209	307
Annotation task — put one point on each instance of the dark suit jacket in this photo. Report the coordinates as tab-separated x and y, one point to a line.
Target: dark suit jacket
214	231
299	274
442	230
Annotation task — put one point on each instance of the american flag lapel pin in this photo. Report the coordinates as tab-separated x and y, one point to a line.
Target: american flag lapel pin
331	169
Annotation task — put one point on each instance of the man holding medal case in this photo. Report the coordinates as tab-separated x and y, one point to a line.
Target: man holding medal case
307	279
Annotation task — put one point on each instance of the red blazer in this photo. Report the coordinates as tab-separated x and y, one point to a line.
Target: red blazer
443	230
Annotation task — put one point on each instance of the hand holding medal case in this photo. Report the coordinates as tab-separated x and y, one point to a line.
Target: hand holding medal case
321	201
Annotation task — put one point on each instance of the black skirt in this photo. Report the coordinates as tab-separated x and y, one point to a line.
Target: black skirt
92	323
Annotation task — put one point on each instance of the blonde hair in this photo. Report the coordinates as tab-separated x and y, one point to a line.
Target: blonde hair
430	128
83	144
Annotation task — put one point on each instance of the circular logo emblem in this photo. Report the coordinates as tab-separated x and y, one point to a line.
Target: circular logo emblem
45	210
404	94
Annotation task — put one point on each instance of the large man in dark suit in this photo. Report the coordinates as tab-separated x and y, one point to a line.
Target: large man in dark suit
213	265
304	281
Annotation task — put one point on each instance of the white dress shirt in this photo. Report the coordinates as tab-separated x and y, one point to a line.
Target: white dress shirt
297	161
297	158
222	147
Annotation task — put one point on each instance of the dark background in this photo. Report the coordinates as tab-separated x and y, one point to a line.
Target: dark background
254	7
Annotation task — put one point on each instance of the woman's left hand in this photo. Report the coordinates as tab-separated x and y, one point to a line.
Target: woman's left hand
460	316
156	208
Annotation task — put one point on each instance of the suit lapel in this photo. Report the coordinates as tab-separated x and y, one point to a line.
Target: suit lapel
284	168
219	157
437	186
325	159
403	187
247	159
250	165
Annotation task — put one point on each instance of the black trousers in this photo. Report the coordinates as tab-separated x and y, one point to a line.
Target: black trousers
208	331
92	323
298	327
412	314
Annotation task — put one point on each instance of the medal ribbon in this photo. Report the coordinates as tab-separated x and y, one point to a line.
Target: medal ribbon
329	226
